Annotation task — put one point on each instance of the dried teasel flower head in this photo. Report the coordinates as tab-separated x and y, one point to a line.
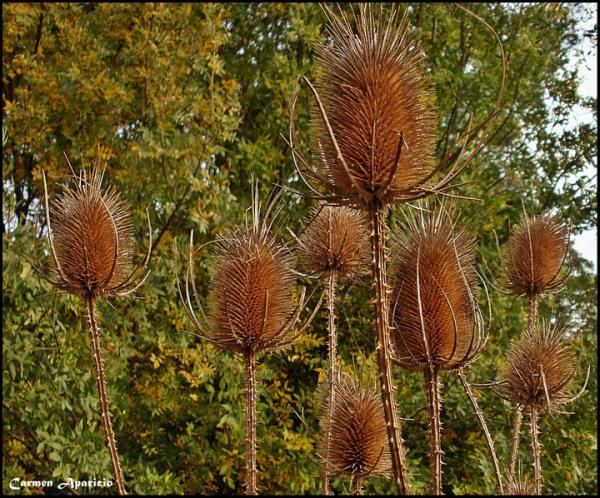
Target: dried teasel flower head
519	485
92	239
379	134
539	368
536	255
358	443
336	241
435	317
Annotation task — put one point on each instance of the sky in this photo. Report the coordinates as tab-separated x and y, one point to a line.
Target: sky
587	242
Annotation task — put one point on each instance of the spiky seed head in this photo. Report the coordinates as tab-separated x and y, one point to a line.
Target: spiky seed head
374	90
536	254
251	297
358	441
539	368
435	317
93	237
335	241
519	485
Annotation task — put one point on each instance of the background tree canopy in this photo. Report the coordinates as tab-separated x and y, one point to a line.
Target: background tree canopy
186	102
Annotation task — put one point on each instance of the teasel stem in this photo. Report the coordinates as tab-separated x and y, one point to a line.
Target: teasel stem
532	312
384	352
331	373
99	360
535	446
434	402
356	487
514	449
251	424
484	427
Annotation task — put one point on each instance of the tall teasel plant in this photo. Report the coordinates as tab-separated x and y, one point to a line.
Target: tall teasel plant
251	303
334	247
91	242
436	319
539	365
356	445
373	134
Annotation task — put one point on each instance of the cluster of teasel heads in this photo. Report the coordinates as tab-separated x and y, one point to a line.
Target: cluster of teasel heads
540	364
373	134
92	251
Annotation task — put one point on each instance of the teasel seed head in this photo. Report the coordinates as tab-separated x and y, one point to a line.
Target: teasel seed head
251	298
336	241
536	255
358	444
92	237
519	485
539	368
380	107
435	317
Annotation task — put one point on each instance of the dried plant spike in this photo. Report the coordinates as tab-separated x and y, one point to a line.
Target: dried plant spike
251	303
93	237
91	243
519	485
335	241
536	255
436	319
539	369
358	435
375	128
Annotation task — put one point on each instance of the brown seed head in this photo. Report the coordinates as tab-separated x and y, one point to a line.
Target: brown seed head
539	368
374	92
358	443
336	241
435	317
251	298
519	486
92	237
536	254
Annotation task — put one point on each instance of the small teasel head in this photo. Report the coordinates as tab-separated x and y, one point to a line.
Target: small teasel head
92	238
335	242
539	368
536	255
358	443
251	300
519	485
374	132
434	312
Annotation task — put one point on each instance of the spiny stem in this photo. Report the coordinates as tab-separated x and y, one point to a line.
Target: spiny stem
251	424
384	351
99	360
331	377
484	427
434	402
532	312
535	446
514	449
356	485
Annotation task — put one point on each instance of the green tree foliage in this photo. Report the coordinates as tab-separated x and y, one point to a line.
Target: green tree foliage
186	102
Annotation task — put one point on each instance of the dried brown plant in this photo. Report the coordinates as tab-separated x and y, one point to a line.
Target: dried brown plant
251	303
435	316
539	368
538	372
334	246
91	242
335	242
519	485
358	443
373	128
437	323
